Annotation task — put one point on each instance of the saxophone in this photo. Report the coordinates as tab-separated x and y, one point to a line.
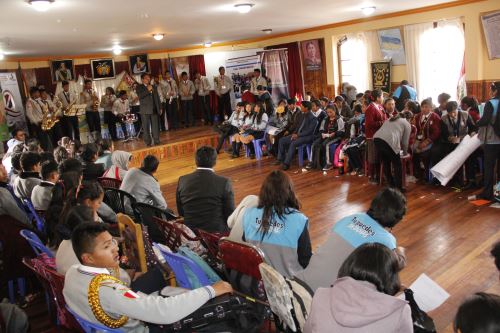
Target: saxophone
68	111
49	118
95	101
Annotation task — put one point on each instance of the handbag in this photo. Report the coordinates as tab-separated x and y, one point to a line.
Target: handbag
422	322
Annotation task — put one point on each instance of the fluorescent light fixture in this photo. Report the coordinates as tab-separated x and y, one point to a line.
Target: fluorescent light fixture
2	55
158	36
117	50
41	5
367	11
244	8
207	44
267	31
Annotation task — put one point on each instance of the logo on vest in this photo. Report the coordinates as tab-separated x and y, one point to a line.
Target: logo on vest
274	226
360	228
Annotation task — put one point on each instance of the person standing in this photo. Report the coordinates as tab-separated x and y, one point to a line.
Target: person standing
186	90
404	93
258	82
69	123
135	108
55	132
35	116
223	88
171	92
150	109
89	97
203	88
107	102
374	118
119	110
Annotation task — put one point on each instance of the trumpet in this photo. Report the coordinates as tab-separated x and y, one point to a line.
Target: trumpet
49	118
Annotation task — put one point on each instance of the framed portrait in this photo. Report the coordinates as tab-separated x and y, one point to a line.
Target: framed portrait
311	54
102	69
139	64
62	70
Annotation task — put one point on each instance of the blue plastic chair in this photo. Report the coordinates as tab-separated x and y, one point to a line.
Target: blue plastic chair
36	243
300	153
178	264
89	327
40	223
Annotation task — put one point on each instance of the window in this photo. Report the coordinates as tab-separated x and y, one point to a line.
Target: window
354	62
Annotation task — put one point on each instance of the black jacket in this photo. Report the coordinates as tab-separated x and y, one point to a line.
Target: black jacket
205	200
149	101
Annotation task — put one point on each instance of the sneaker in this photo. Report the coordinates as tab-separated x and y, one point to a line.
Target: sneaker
309	166
327	167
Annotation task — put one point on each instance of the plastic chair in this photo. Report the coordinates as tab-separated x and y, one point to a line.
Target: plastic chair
173	234
40	223
242	257
178	265
145	214
109	182
300	153
211	242
89	327
119	201
36	243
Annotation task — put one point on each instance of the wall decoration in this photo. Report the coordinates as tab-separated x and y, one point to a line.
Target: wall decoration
491	27
12	102
311	55
62	70
391	45
102	69
381	75
139	64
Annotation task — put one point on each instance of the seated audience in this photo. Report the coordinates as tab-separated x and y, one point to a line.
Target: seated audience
386	210
235	220
278	227
96	250
470	105
29	177
363	298
489	134
104	151
331	131
276	128
317	111
391	142
120	160
60	154
245	123
91	169
302	134
18	137
42	193
256	128
443	100
342	108
479	313
140	183
231	126
204	198
9	204
495	252
374	118
428	125
89	194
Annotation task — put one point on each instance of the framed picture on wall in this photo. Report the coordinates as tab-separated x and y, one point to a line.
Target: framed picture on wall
62	70
139	64
311	53
391	45
102	69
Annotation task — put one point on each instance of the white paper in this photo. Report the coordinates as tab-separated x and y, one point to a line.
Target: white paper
428	294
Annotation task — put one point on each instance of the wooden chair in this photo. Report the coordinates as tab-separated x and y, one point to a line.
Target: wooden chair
174	235
133	243
109	182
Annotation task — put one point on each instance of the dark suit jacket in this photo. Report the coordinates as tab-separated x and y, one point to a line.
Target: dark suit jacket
92	171
308	125
146	99
205	200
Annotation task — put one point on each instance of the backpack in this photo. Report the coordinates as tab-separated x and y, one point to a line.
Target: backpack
289	299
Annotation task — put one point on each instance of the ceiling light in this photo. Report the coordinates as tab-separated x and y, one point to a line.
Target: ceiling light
244	7
158	36
2	55
367	11
207	44
41	5
267	31
117	50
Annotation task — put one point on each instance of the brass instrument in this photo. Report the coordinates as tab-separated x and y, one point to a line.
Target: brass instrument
58	106
69	110
95	102
49	118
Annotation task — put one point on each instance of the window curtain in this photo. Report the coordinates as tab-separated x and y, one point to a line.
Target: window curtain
413	35
196	64
295	80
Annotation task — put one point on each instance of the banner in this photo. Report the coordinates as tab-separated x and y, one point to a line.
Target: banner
381	75
4	129
275	68
12	100
240	70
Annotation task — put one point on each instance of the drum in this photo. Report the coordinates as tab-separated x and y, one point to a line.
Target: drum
130	118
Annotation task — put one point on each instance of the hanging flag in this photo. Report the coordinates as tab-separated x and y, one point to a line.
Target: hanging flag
462	86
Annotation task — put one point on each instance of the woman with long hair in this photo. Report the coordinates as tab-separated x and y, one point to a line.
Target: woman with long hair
245	124
257	129
278	227
374	118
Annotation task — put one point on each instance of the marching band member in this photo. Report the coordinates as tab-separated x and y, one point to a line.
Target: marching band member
35	115
89	97
109	118
223	88
187	90
70	124
55	133
203	88
171	92
120	109
135	107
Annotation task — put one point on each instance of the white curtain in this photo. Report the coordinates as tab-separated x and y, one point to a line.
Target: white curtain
354	60
413	36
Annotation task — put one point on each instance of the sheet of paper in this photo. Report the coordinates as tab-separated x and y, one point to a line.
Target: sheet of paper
428	294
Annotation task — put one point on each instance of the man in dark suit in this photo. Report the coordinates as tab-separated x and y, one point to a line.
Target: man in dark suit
205	199
150	109
303	134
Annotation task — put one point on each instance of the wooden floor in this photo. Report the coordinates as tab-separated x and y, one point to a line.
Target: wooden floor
445	236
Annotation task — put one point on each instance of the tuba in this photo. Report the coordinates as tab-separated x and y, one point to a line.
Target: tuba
49	118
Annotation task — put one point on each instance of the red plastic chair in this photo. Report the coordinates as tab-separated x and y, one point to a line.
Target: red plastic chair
109	182
211	241
55	281
174	235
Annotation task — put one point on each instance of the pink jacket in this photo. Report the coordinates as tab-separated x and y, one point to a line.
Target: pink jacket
356	306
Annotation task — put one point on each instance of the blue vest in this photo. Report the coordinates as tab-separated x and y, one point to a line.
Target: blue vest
359	229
